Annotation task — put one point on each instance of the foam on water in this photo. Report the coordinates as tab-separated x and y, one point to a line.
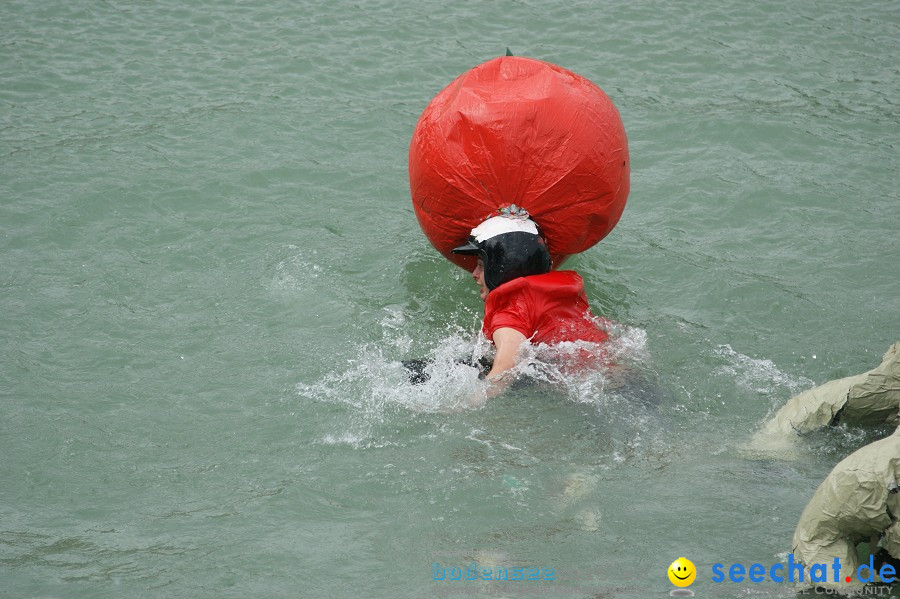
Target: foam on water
297	272
763	377
375	385
758	374
563	364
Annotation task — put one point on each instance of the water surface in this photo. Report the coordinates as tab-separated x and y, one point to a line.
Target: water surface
210	269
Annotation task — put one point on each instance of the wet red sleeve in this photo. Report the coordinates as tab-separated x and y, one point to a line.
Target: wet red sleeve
515	313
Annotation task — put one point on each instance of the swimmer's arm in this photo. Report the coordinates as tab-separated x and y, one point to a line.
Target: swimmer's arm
508	342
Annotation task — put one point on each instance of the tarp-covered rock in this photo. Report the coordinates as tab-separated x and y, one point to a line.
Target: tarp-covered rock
869	398
859	500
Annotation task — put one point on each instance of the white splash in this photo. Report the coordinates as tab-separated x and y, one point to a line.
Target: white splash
759	375
375	385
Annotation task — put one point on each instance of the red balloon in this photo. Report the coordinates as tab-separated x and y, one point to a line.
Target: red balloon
519	131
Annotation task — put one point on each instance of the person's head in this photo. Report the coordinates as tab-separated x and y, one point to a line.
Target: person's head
507	247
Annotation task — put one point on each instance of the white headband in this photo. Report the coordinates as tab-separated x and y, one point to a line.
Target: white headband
498	225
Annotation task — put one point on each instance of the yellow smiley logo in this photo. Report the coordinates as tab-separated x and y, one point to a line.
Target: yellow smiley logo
682	572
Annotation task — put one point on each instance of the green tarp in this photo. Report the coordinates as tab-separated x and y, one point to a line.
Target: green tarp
858	501
869	398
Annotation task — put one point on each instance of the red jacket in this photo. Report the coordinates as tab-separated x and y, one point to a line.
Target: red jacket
547	308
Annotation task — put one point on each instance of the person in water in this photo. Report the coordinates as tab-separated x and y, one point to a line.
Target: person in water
524	300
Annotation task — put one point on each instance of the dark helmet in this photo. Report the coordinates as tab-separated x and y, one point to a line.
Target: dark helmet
509	248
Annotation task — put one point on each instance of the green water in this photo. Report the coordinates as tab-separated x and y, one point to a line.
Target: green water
210	268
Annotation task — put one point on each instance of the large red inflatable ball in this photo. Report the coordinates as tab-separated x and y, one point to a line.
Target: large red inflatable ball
519	131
